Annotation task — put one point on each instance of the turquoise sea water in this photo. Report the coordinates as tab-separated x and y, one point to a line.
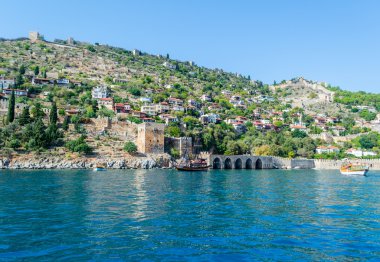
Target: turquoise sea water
155	215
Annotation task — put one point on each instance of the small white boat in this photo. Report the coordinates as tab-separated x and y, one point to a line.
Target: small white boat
99	168
354	169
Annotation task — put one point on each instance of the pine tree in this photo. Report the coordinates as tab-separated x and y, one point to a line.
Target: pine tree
39	134
53	114
11	108
25	116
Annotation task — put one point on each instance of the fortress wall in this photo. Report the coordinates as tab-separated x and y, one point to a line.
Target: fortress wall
303	163
281	162
373	164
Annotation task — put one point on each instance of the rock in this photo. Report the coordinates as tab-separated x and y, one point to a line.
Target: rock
61	162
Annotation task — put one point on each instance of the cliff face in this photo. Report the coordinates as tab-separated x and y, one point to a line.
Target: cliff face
61	162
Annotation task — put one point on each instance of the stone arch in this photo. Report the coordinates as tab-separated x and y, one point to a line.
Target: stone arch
259	164
238	164
248	164
228	163
216	164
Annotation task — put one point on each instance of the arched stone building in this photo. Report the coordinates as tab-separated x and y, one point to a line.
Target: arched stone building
240	162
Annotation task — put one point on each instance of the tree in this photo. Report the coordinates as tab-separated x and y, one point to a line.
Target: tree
65	124
37	111
130	147
11	108
369	141
61	112
263	150
367	115
79	145
53	135
298	134
19	80
21	70
36	70
173	130
43	72
135	91
39	139
53	114
14	143
91	48
25	116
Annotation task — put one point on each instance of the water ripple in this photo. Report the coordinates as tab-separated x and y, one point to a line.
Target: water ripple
165	215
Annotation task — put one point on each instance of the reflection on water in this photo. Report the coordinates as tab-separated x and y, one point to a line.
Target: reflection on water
165	214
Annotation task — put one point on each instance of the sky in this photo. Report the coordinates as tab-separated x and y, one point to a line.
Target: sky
271	40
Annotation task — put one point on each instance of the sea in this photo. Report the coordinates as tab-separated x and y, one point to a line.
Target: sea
166	215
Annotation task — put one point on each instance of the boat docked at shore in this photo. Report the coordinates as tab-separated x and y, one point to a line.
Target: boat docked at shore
194	163
198	164
353	169
100	168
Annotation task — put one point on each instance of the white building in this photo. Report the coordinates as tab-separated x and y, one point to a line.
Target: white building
212	118
327	149
136	52
169	65
162	107
149	110
106	102
145	100
360	153
63	82
100	92
206	98
6	83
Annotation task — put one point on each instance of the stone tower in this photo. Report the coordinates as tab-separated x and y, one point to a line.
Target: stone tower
34	36
70	41
150	138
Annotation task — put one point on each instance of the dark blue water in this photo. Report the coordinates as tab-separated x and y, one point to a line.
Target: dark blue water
165	215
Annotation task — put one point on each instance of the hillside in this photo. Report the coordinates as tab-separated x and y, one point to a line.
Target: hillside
228	113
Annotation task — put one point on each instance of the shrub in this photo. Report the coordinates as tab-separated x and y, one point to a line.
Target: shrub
130	147
79	145
174	153
134	120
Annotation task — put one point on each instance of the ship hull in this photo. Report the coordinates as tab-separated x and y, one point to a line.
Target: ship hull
355	173
186	168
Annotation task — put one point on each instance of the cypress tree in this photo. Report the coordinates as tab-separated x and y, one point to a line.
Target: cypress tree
53	114
65	124
11	108
36	70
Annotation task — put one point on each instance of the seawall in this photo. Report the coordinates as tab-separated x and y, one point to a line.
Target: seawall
279	162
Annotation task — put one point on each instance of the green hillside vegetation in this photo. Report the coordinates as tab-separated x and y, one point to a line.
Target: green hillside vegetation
132	76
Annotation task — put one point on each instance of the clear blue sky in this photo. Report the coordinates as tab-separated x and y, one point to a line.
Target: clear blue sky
336	41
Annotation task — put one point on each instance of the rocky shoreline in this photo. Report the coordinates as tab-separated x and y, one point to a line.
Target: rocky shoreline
61	162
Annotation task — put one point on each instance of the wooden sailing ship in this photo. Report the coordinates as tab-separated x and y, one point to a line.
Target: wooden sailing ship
189	163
